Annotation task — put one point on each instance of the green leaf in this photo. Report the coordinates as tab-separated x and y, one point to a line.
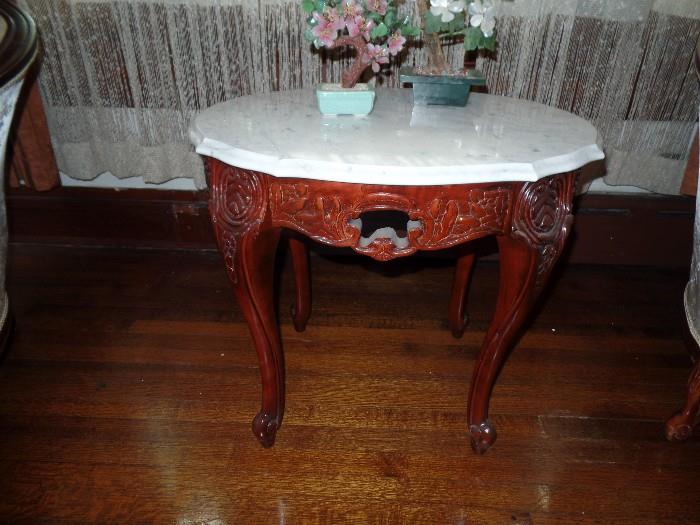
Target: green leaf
488	43
320	5
390	18
457	24
433	24
375	17
409	30
379	31
308	6
472	38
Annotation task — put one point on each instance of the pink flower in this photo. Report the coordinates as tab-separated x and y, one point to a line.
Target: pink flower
378	6
351	10
360	26
325	31
376	55
332	17
395	43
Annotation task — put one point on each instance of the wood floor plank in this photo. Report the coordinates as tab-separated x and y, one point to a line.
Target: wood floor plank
128	392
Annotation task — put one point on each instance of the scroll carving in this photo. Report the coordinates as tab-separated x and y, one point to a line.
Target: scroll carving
450	221
441	217
320	215
237	207
543	219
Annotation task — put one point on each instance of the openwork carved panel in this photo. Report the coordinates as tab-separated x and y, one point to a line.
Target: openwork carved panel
237	206
543	218
440	217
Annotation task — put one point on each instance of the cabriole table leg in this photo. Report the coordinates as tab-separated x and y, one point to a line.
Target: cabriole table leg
456	316
248	243
515	297
254	292
681	425
302	280
541	223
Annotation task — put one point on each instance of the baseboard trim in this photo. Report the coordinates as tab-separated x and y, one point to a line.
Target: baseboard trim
609	229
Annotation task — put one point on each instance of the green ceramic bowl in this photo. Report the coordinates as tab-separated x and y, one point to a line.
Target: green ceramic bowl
441	90
336	100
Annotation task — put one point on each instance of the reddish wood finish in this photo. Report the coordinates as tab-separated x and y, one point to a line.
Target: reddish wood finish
680	426
441	216
302	279
541	222
248	241
127	393
609	229
32	161
248	210
456	315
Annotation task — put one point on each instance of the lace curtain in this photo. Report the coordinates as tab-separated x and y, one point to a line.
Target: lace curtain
121	79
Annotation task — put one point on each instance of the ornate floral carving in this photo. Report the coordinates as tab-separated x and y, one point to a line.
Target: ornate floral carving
384	249
237	206
441	216
448	221
543	218
322	216
228	244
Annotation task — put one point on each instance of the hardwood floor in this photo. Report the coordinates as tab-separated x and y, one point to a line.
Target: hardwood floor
127	395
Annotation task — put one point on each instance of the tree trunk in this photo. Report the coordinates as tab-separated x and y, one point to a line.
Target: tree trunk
351	76
437	63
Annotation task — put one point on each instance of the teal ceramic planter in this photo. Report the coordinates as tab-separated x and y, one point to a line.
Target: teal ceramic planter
336	100
441	90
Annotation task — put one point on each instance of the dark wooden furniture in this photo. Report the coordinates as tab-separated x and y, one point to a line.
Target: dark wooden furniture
249	210
18	50
499	167
32	159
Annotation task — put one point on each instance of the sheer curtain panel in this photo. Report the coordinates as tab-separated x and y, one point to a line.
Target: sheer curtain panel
121	79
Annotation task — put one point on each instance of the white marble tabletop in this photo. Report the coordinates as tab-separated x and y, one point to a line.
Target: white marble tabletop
492	139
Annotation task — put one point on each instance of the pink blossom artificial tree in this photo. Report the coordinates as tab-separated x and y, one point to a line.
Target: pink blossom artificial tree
372	27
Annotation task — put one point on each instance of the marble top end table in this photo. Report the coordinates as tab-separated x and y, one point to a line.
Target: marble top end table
499	166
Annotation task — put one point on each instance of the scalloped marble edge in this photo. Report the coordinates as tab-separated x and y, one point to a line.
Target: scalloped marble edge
395	175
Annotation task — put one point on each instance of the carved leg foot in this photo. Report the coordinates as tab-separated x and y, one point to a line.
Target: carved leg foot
248	244
515	298
255	296
457	316
680	426
541	223
265	428
483	436
301	310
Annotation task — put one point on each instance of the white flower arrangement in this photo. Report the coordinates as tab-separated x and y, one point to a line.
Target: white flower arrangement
474	21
